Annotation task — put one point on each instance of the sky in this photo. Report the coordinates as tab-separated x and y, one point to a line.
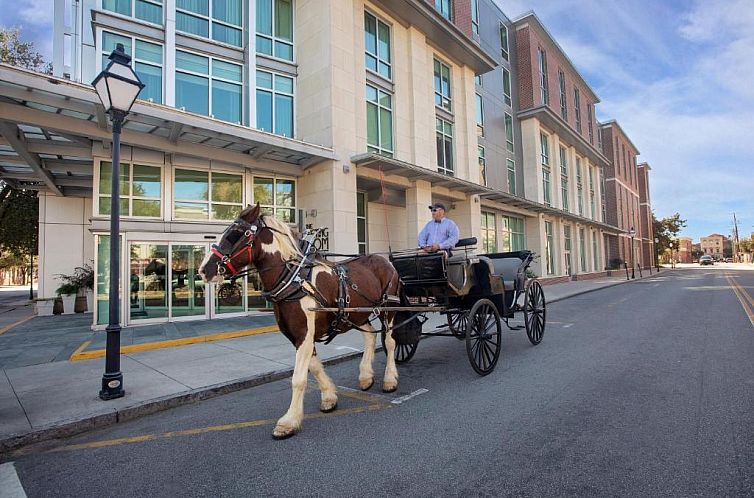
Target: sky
678	75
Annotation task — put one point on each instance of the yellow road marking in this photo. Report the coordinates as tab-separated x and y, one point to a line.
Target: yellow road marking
83	346
217	428
8	327
743	297
80	355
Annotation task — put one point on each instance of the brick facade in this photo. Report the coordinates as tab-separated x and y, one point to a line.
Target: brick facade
646	231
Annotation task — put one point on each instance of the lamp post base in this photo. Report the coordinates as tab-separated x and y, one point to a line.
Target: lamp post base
112	386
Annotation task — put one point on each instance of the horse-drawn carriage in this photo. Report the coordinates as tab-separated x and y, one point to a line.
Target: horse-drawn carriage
316	299
474	292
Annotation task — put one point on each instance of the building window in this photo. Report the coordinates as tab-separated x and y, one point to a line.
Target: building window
489	232
563	101
275	28
479	115
147	62
595	254
475	16
577	108
513	234
206	195
277	196
220	20
592	205
509	132
444	136
445	7
507	87
275	103
582	250
544	92
504	42
511	176
580	187
361	222
549	249
140	190
379	121
478	80
545	153
590	119
482	165
217	93
377	46
146	10
599	138
567	247
442	86
564	178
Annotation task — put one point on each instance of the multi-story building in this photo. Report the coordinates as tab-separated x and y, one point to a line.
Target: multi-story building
563	162
685	250
353	115
713	245
646	230
621	194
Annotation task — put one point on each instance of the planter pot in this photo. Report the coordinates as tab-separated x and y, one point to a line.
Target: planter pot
69	302
45	307
80	306
89	301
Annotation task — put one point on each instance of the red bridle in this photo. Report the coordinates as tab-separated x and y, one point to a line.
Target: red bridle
226	260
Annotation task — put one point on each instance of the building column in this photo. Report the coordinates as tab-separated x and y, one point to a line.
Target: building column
418	198
534	229
468	216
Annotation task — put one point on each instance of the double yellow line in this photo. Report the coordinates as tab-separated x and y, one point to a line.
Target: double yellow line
743	296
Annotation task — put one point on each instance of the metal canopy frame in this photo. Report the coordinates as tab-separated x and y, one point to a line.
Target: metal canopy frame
48	127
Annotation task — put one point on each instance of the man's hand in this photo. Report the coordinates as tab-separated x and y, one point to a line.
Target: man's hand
435	247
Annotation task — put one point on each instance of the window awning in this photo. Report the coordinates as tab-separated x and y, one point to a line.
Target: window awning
48	125
413	172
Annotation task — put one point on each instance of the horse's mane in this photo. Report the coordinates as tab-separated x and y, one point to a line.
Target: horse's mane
281	227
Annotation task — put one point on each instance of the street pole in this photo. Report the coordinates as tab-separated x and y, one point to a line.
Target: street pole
112	379
633	257
31	275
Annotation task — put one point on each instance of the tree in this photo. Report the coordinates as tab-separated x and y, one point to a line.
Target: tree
15	52
19	217
667	229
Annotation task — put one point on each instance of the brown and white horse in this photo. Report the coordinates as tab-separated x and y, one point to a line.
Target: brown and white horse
267	244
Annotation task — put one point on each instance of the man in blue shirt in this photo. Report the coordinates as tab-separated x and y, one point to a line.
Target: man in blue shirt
439	234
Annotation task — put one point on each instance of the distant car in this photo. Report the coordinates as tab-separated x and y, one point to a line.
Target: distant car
728	260
706	260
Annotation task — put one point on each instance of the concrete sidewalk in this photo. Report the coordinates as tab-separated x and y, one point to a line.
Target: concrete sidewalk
45	395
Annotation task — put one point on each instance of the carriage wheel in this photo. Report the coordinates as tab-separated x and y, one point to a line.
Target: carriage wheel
457	322
403	352
535	312
483	336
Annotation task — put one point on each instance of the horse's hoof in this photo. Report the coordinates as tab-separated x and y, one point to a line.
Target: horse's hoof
366	387
389	389
279	433
324	409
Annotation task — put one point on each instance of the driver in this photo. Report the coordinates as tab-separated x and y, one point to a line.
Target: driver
440	233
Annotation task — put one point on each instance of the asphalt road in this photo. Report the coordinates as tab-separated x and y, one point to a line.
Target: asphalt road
643	389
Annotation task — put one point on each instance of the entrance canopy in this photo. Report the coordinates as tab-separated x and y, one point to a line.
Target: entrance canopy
48	126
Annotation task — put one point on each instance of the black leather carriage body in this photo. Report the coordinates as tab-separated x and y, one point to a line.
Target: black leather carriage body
422	269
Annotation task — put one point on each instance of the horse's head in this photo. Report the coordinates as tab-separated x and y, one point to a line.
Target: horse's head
236	248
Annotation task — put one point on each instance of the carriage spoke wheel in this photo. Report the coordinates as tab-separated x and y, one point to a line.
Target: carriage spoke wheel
483	336
403	352
457	322
535	313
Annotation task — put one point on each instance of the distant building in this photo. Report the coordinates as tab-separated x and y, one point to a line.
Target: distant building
713	245
685	250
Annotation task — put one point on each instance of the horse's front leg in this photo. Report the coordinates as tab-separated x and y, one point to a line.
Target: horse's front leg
326	386
390	380
290	423
366	373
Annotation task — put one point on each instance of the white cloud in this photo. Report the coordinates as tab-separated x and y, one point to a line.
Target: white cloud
36	12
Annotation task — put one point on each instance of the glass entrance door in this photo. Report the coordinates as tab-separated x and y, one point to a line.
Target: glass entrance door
187	289
148	279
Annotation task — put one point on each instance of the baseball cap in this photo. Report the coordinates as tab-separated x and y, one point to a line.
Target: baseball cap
438	205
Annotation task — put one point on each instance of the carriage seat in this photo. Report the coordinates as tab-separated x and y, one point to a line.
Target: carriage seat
470	241
510	269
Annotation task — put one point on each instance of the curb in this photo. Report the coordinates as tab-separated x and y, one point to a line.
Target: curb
587	291
74	427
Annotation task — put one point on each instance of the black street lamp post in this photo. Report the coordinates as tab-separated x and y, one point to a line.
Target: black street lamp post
632	233
117	87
